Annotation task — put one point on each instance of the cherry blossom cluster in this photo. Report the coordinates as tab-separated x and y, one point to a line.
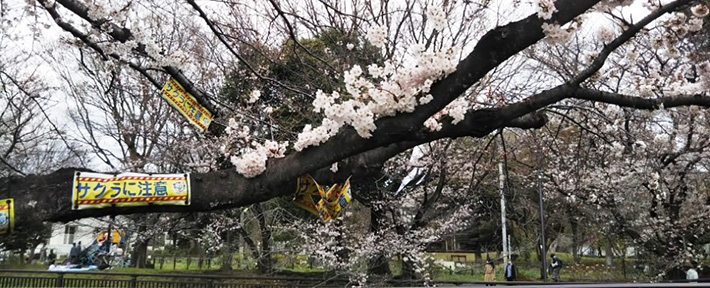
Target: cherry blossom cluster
605	34
608	5
250	158
651	78
556	34
254	96
437	16
680	24
397	236
377	35
381	91
545	9
456	110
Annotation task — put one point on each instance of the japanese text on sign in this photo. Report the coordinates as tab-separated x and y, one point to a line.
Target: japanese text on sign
95	190
7	215
186	104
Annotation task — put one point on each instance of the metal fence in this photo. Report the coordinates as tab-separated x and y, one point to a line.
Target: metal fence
28	278
185	263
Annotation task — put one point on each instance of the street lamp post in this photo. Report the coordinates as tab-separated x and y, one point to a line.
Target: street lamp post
542	227
502	213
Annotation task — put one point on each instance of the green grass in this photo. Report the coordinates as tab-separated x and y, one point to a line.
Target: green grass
591	269
470	257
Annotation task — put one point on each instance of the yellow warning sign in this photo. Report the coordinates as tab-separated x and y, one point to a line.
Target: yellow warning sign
96	190
186	104
327	205
7	215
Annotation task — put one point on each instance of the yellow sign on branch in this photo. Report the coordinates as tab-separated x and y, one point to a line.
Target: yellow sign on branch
96	190
186	104
7	215
327	205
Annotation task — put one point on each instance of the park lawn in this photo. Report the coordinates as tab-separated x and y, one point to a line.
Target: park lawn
591	269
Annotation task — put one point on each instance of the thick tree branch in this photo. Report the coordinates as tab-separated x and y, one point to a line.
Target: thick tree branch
48	197
209	193
493	49
637	102
11	167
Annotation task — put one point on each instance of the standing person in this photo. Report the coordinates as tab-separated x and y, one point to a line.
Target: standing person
43	254
555	267
692	274
510	271
73	254
52	257
490	271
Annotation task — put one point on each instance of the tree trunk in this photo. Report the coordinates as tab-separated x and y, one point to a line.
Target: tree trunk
378	264
408	270
575	239
227	252
249	243
265	262
609	253
623	260
139	255
477	253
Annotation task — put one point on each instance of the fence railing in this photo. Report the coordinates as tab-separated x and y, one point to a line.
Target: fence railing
185	263
29	278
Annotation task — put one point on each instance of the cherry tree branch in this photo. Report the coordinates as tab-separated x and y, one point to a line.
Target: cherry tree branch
8	165
123	35
220	35
292	34
642	103
51	9
494	48
599	61
43	198
46	116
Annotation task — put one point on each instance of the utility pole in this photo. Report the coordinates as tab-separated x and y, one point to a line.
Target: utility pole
502	213
510	251
542	228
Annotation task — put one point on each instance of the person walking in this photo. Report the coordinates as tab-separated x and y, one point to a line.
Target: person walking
510	271
489	274
555	268
692	274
